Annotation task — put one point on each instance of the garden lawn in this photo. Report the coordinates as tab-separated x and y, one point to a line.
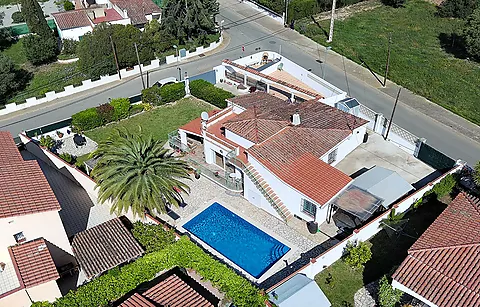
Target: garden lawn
419	60
387	254
159	122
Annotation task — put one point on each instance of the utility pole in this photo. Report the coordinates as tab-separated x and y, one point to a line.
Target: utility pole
148	80
286	13
332	21
139	65
393	113
115	57
388	60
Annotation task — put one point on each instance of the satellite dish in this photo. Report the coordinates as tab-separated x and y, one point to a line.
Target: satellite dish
204	116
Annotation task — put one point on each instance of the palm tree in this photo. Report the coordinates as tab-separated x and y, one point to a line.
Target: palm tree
136	173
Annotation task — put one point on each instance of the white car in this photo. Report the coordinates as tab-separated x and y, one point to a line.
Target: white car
169	80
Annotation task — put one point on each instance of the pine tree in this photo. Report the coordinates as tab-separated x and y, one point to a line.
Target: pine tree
35	18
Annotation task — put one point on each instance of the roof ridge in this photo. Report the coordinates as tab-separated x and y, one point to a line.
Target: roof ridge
414	250
446	276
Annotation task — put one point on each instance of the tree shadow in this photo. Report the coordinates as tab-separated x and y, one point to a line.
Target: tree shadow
453	44
319	26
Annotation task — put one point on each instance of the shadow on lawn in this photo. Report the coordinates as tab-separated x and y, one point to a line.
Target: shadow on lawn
454	44
388	252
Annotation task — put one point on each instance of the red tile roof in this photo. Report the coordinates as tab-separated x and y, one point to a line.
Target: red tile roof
443	266
255	99
174	292
136	300
33	263
195	126
24	188
137	9
278	81
72	19
105	246
110	15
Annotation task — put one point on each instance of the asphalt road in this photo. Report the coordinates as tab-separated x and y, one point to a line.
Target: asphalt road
251	34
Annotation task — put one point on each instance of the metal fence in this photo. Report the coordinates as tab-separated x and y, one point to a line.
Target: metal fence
411	138
230	183
367	112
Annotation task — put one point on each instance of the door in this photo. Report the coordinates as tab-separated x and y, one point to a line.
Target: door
219	160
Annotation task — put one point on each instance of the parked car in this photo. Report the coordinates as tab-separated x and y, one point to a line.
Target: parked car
169	80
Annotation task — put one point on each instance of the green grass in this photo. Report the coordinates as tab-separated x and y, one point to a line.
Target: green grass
16	53
387	254
418	60
159	122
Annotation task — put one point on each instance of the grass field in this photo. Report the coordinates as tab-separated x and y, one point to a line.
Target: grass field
424	58
159	122
388	252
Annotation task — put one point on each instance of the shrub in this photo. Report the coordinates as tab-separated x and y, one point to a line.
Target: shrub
471	34
121	106
394	3
182	253
47	141
172	92
40	49
106	113
41	304
17	17
357	254
152	95
445	186
67	157
208	92
387	296
68	6
69	46
136	108
152	237
457	8
476	173
86	120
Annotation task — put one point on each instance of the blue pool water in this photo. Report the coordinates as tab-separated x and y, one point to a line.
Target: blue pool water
244	244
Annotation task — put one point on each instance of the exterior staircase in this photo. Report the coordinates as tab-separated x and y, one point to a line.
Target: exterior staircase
267	192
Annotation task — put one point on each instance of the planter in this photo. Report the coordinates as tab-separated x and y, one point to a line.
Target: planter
312	227
197	176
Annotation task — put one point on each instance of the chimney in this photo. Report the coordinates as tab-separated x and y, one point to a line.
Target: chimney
296	119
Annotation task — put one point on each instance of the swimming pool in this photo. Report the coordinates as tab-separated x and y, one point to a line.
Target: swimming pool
244	244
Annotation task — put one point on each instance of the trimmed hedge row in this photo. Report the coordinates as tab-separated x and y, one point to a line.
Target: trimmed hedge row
161	95
95	117
206	91
183	253
152	237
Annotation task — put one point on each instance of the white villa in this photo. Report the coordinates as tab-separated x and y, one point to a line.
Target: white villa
90	13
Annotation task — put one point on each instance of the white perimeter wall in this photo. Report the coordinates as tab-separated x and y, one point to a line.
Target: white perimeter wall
48	291
74	33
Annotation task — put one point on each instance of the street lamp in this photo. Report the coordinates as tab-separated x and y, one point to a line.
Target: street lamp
325	61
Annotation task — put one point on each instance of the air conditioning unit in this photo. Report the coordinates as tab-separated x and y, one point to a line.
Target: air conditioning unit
349	105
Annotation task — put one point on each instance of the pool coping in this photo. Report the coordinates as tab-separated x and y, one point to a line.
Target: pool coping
277	266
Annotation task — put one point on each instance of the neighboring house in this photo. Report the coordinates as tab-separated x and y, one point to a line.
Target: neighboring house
103	247
173	288
442	268
74	24
298	291
33	241
283	152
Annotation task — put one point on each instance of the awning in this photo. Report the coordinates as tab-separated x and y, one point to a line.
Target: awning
299	291
358	202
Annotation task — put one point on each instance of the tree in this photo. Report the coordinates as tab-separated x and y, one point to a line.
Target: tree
387	296
35	18
471	34
476	174
6	39
189	19
357	254
68	6
157	37
17	17
8	76
136	173
394	3
40	49
457	8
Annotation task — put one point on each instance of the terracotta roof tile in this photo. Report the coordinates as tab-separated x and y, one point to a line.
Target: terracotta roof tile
34	263
443	265
25	190
174	292
136	300
72	19
137	9
195	126
110	15
105	246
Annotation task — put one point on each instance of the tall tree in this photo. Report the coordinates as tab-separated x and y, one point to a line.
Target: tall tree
188	19
136	173
11	78
471	34
35	18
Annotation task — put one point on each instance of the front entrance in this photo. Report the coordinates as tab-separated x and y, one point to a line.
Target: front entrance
219	160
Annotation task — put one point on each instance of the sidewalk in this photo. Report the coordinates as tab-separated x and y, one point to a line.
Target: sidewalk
407	98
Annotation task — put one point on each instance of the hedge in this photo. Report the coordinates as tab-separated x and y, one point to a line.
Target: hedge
152	95
206	91
152	236
172	92
121	107
86	119
183	253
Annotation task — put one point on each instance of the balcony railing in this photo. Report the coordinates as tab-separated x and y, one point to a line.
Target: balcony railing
221	177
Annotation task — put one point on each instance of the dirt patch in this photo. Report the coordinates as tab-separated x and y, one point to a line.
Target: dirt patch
345	12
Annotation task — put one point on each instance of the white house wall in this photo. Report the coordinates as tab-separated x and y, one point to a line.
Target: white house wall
209	147
347	145
74	33
238	139
255	197
48	291
16	299
290	197
125	21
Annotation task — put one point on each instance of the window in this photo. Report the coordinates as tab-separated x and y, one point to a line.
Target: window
19	237
309	208
332	156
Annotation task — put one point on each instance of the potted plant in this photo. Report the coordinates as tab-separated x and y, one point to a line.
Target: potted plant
59	134
197	173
